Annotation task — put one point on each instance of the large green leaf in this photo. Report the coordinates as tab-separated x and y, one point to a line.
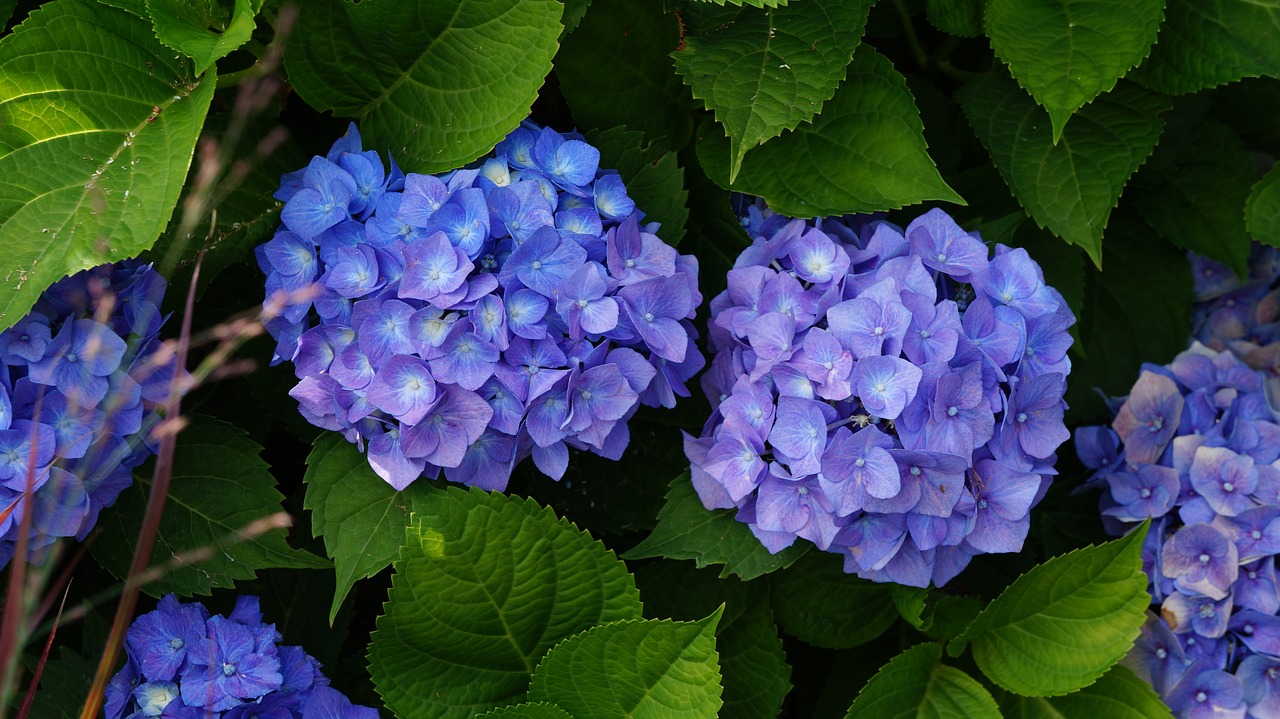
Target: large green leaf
220	488
1063	624
97	124
615	69
438	83
1210	42
865	151
1070	187
915	685
200	29
817	602
63	685
485	584
688	530
1118	694
958	17
653	177
762	71
1067	52
539	710
636	668
1262	210
361	518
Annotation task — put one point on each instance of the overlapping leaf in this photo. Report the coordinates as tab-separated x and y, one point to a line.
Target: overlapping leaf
1205	43
958	17
915	684
195	30
817	602
1118	694
436	82
1262	210
92	157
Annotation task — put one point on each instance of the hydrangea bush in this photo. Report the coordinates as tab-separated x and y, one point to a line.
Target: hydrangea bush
469	320
895	396
82	377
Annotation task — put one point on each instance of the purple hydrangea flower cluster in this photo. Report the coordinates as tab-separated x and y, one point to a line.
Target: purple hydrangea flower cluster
184	664
1243	315
894	396
81	379
1195	448
469	320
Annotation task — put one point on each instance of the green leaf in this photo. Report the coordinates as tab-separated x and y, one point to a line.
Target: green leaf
958	17
636	668
950	615
1262	210
688	530
910	603
616	69
914	684
196	30
220	488
438	83
6	12
1211	42
360	516
574	11
765	71
653	177
817	602
1119	694
540	710
484	586
752	3
865	152
102	145
1193	188
1063	624
63	686
1070	187
1067	52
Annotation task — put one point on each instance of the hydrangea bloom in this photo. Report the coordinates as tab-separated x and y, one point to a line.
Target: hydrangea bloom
1195	448
183	663
891	395
82	377
1231	313
469	320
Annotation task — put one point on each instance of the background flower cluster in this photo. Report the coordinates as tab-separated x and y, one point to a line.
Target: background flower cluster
891	395
470	320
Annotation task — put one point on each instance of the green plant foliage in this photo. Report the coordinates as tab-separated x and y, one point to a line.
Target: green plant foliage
1063	624
1067	52
916	684
815	601
1262	210
199	31
63	684
945	618
765	71
1204	43
1118	694
909	602
485	584
635	668
1070	187
865	151
539	710
653	177
361	517
221	489
958	17
752	3
687	530
399	67
101	146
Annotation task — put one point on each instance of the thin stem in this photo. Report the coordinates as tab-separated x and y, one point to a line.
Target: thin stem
909	30
255	71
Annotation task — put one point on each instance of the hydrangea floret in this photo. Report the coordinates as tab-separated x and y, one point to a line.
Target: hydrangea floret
469	320
1195	448
1233	313
82	379
182	663
891	395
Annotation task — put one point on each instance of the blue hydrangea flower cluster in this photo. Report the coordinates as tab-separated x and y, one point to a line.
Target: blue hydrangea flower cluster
891	395
1195	448
81	379
182	663
1243	315
469	320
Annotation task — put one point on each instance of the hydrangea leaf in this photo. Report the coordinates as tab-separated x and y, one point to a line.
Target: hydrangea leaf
949	615
751	3
6	11
101	146
1262	210
815	601
1063	624
634	668
1118	694
762	71
201	30
909	602
220	489
436	82
574	11
1070	187
958	17
62	685
484	585
1067	52
632	39
538	710
1205	43
915	684
361	518
653	177
865	152
1193	188
688	530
